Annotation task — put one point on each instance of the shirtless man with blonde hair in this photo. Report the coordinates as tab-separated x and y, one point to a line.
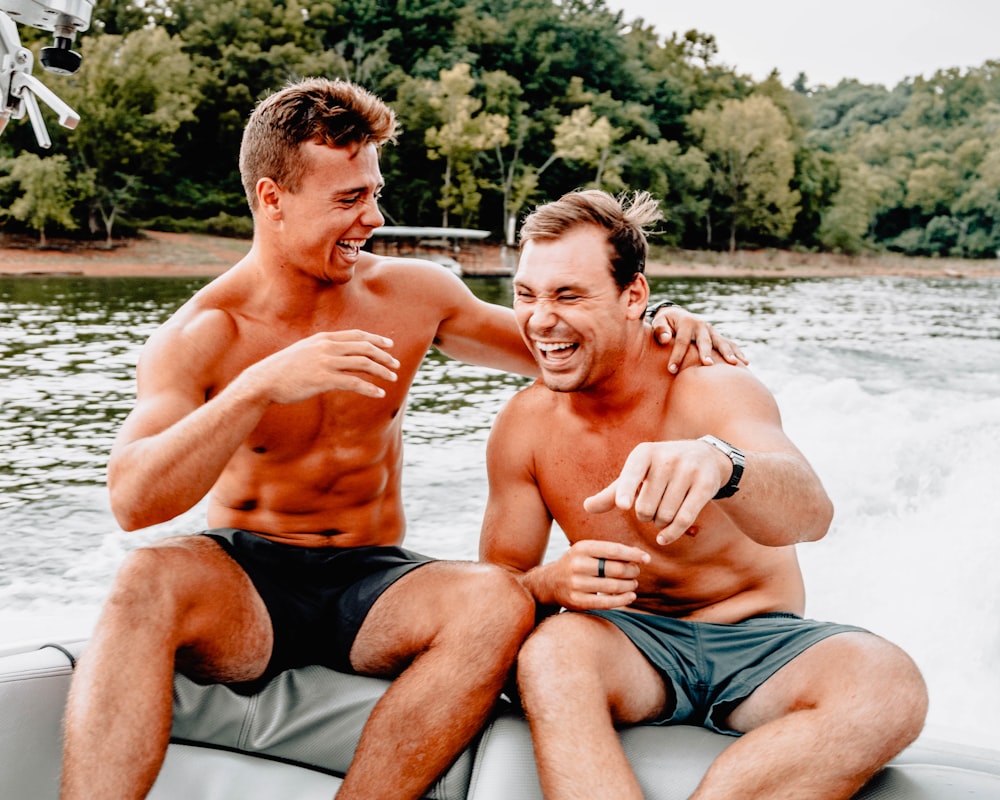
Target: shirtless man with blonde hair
682	499
279	391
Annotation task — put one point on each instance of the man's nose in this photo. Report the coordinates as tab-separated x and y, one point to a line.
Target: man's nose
543	313
372	216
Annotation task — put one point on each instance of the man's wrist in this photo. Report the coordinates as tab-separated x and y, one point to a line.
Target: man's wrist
738	460
652	312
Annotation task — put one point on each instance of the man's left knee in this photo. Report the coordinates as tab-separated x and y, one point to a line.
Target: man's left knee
491	594
886	685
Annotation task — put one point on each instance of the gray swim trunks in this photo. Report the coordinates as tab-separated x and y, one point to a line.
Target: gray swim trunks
713	667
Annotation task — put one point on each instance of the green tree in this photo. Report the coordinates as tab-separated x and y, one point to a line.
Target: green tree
677	177
124	16
504	96
978	204
241	50
47	191
580	136
136	92
863	191
585	137
464	133
753	162
933	183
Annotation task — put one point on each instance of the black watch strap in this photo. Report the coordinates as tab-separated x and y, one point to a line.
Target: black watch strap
652	312
739	463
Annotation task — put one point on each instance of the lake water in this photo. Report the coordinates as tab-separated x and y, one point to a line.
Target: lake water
890	386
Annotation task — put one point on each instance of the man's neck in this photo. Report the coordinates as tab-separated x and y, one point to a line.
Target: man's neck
642	370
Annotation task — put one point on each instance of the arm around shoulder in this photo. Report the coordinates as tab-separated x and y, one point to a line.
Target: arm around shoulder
477	332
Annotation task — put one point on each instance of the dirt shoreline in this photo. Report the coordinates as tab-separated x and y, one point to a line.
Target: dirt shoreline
195	255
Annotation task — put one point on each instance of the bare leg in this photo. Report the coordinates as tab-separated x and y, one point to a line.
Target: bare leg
181	602
578	676
450	631
823	724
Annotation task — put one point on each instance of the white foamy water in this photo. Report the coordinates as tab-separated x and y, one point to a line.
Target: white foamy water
890	387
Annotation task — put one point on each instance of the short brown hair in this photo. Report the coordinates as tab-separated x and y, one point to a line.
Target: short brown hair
336	113
624	218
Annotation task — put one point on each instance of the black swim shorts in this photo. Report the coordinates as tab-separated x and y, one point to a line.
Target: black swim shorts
713	667
317	597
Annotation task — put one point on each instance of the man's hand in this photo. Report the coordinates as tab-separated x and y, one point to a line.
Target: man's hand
324	362
666	483
683	328
595	574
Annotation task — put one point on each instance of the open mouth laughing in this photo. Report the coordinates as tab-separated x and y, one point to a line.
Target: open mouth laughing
555	353
351	247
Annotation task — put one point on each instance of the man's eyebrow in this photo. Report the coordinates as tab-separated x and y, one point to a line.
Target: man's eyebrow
558	290
358	190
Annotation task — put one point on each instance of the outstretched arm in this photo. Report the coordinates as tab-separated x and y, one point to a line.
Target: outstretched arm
780	500
483	333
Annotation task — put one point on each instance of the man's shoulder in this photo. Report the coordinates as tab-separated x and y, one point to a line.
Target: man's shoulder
414	279
721	389
406	268
533	404
721	374
206	316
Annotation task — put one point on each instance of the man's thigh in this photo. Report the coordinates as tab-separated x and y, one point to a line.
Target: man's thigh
838	670
222	629
592	649
441	601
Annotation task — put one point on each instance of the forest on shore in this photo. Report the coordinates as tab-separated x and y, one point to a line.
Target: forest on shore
504	104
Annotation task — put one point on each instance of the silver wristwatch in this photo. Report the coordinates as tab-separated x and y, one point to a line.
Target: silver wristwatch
739	462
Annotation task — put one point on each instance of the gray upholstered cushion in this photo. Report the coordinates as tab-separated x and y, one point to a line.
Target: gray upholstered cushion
669	762
33	687
311	716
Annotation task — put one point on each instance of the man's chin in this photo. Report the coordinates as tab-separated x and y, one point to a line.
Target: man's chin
560	383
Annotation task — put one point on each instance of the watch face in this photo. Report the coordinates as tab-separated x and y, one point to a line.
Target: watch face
739	462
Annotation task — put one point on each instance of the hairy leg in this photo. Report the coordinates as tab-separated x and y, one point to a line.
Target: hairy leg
823	724
578	677
180	603
450	632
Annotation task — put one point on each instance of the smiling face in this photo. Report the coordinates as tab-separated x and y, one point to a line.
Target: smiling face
571	313
326	220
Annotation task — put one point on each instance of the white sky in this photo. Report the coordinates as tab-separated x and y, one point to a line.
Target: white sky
874	41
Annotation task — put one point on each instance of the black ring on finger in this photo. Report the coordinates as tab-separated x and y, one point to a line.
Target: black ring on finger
600	568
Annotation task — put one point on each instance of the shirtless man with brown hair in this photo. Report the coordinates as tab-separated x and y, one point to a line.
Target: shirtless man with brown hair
279	391
682	499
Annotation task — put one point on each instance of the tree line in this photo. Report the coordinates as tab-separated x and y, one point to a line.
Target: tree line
504	104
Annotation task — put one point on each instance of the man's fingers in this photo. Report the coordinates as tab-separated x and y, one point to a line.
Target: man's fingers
729	350
588	552
618	572
590	601
601	502
677	352
703	341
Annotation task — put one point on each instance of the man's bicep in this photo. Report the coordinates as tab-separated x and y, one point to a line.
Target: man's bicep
728	402
152	414
483	333
515	529
166	392
517	522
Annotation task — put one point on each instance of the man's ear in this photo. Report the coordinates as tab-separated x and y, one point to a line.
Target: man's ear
269	198
637	297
